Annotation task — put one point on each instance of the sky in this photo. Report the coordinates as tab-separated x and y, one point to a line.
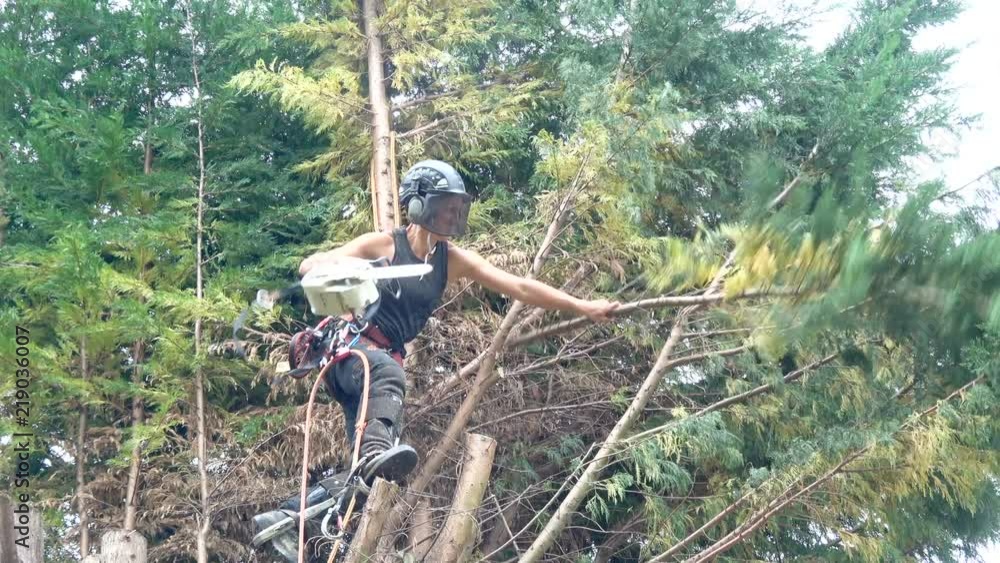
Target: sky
975	76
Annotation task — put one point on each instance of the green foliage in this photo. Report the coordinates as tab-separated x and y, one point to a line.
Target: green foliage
669	128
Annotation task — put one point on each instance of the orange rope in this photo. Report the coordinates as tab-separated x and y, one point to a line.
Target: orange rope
359	428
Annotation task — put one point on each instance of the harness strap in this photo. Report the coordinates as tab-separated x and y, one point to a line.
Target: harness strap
376	337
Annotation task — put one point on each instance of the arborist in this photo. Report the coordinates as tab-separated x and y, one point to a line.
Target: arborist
437	206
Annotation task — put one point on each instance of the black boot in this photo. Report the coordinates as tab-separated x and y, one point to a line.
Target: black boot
381	455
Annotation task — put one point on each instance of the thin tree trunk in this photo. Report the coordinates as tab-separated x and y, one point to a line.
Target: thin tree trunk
592	470
626	42
382	207
34	552
458	535
4	221
138	406
205	519
81	459
138	417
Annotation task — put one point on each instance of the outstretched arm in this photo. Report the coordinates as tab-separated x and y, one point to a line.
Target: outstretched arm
464	263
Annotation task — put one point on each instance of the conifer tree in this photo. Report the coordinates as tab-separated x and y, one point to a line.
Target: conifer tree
804	367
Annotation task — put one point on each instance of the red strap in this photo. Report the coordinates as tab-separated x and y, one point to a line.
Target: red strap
398	357
375	336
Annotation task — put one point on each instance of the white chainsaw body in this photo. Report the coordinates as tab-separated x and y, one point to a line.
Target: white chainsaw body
348	286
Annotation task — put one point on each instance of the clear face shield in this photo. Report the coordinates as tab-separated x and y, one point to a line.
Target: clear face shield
447	213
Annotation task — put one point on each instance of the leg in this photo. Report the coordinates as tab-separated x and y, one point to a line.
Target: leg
387	390
341	384
381	455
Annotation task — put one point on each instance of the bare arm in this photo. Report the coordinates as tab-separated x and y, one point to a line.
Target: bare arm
464	263
369	246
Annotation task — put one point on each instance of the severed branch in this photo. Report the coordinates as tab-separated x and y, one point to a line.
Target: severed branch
427	126
708	298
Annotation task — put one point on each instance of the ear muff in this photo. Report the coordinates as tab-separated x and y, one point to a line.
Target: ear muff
415	209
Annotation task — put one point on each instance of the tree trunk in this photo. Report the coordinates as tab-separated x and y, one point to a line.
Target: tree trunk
120	546
422	531
626	41
205	519
7	552
81	459
458	535
138	417
382	192
366	540
138	407
34	552
4	221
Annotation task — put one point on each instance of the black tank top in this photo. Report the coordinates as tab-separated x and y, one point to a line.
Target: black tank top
405	304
